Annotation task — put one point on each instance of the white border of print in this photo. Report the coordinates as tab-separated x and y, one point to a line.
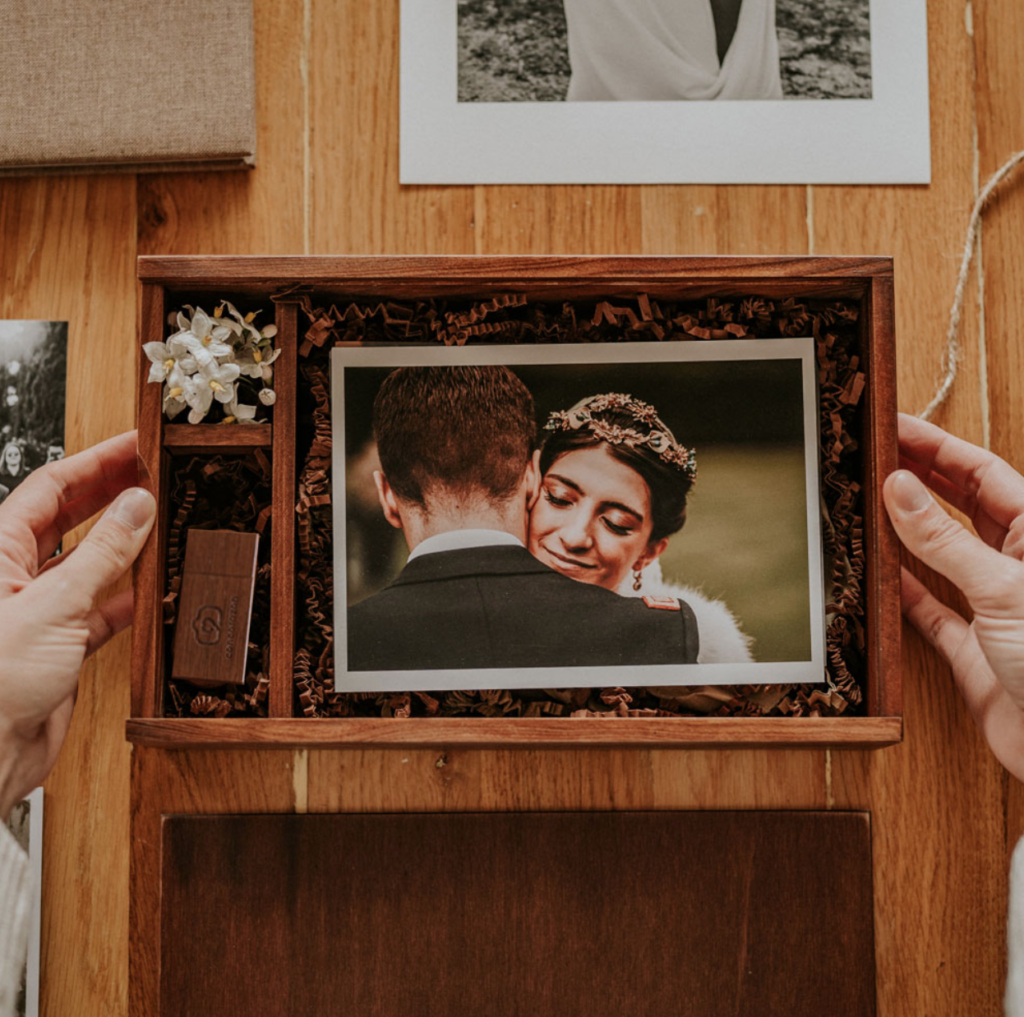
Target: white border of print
809	671
882	140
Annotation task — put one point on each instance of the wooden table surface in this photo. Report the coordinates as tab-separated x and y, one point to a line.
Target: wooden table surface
944	816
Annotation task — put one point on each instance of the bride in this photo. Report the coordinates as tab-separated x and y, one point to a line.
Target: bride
614	484
644	50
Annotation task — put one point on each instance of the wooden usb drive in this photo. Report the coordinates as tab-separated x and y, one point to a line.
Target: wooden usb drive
215	607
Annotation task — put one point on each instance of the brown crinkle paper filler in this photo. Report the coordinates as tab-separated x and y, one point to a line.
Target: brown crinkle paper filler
511	318
221	492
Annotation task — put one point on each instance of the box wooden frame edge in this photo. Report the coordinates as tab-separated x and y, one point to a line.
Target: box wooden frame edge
871	278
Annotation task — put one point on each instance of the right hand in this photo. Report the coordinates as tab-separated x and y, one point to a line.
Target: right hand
986	654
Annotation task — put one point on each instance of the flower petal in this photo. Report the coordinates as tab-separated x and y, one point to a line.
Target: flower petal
157	352
201	324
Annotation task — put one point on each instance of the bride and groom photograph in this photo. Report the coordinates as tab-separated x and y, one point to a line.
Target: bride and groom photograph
515	517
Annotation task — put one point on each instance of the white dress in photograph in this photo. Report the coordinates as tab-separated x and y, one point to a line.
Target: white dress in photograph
720	637
648	50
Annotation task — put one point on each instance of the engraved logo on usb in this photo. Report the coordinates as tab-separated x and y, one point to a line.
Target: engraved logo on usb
207	625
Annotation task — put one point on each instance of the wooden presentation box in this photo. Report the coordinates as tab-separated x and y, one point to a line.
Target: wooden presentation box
168	282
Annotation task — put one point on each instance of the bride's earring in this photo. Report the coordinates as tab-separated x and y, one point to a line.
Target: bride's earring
638	579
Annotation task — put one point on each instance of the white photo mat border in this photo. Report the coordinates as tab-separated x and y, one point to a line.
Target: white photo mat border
796	672
882	140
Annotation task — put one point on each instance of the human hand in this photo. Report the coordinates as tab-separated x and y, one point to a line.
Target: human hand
986	655
50	617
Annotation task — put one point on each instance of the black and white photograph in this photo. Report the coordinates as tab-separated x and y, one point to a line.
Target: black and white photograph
575	515
651	50
33	372
26	824
664	91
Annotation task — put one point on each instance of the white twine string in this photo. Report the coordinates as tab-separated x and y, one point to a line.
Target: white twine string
951	357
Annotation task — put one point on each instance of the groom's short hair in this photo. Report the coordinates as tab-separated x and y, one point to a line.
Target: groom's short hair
453	431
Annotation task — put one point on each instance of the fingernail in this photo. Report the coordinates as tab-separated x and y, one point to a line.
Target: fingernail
909	494
134	507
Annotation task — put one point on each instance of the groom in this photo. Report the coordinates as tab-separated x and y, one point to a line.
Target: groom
457	478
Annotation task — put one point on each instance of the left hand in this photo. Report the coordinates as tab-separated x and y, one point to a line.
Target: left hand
51	617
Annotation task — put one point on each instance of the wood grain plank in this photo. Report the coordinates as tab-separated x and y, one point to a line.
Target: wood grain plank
489	269
735	221
150	570
282	580
940	783
765	228
1000	101
450	778
356	203
558	220
66	253
798	732
261	211
188	439
883	619
196	783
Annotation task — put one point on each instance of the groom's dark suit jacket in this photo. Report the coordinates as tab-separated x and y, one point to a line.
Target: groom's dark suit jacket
498	606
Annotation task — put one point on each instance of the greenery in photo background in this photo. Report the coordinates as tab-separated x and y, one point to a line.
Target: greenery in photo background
745	542
515	50
745	539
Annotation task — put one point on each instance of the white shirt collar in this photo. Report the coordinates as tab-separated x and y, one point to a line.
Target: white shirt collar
459	540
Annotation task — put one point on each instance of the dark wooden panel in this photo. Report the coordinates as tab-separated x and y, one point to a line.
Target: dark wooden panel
216	439
282	580
150	568
881	457
679	913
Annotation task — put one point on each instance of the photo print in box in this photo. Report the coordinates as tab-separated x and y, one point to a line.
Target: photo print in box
577	515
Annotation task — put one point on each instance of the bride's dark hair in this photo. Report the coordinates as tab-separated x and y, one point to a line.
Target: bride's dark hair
636	437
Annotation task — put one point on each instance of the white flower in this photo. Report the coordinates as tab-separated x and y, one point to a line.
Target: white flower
244	323
253	361
239	413
218	314
177	394
268	396
214	381
202	337
204	359
164	361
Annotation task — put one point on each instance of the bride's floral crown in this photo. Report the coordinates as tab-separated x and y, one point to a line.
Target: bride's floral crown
659	439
